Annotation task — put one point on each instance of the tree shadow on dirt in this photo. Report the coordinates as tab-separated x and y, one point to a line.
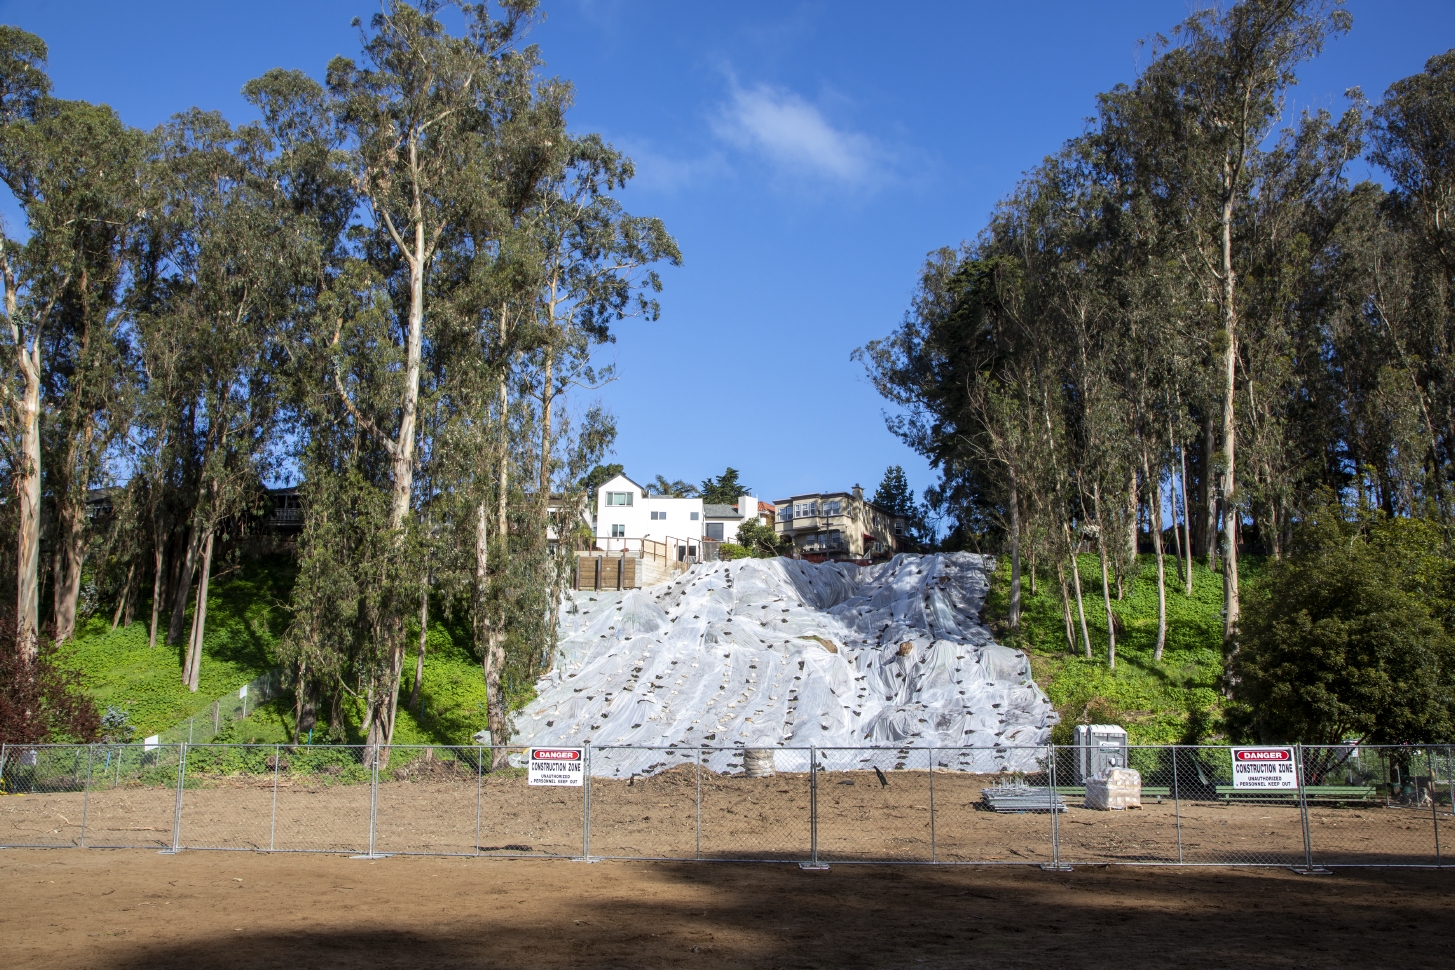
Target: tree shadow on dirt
695	915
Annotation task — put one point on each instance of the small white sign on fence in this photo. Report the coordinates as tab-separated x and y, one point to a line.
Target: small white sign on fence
243	691
152	743
1264	769
555	766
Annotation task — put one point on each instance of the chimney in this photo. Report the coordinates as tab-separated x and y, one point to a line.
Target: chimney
747	507
858	493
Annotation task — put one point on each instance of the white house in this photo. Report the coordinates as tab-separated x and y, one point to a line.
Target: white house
626	514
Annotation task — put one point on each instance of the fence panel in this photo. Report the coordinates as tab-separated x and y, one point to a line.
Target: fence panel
227	796
323	801
429	800
46	788
131	801
967	829
518	820
869	815
1150	833
1373	805
1222	826
644	802
753	815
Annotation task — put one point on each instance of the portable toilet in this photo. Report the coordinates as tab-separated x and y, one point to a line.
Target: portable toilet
1099	747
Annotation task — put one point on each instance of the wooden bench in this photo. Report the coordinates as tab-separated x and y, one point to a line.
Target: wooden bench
1314	793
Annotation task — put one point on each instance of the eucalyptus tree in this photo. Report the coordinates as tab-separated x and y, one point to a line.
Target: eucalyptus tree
225	256
75	169
1213	99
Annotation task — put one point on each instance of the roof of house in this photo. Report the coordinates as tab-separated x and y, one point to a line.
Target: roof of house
766	506
720	512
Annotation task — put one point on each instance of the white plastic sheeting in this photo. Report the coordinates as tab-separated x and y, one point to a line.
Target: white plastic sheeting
780	653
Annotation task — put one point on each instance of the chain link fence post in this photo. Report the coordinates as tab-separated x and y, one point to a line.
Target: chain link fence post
1177	804
699	802
1434	794
813	863
479	790
586	809
177	806
933	857
3	753
1054	806
1308	845
90	752
273	823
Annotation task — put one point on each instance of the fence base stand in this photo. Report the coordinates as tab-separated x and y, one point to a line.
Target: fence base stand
1056	867
372	855
1310	871
169	852
582	859
813	866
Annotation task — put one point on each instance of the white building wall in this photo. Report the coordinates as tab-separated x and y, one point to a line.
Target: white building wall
677	518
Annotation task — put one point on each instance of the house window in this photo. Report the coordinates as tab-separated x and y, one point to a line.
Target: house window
899	528
694	516
619	498
831	508
659	516
714	531
618	530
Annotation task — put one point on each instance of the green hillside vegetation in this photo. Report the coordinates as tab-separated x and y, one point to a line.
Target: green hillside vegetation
247	612
1178	700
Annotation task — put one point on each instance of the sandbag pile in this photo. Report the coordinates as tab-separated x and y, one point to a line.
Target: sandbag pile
782	653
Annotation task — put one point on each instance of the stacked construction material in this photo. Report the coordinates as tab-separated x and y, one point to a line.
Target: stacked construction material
784	654
1022	798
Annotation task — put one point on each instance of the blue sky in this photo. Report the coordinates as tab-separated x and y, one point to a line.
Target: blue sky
805	155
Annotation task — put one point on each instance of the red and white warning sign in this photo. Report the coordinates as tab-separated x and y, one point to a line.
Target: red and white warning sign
1265	769
555	766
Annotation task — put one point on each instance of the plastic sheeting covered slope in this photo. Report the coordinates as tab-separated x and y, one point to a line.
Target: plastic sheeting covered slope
783	653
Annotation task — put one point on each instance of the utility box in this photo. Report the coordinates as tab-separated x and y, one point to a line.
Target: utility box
1121	788
1099	748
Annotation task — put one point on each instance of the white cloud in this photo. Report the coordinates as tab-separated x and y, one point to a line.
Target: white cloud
794	134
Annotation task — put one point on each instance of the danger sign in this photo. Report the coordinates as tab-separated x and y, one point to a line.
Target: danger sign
555	766
1265	769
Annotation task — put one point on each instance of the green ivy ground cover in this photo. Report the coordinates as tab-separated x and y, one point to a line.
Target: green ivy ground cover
246	613
1175	701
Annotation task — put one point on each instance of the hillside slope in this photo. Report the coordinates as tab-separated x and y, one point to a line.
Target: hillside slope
1178	700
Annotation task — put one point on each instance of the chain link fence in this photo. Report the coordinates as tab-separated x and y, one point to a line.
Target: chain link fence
1350	805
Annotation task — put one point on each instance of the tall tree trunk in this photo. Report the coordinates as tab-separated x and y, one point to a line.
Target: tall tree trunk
489	642
27	486
183	589
125	596
193	672
1186	523
1230	424
1111	630
1161	566
1066	608
158	558
1209	493
1015	555
1172	502
1080	605
70	541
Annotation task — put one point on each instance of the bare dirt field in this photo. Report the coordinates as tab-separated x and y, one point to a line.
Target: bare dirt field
441	809
69	908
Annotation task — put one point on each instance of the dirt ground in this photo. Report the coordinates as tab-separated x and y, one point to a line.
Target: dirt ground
89	908
441	809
